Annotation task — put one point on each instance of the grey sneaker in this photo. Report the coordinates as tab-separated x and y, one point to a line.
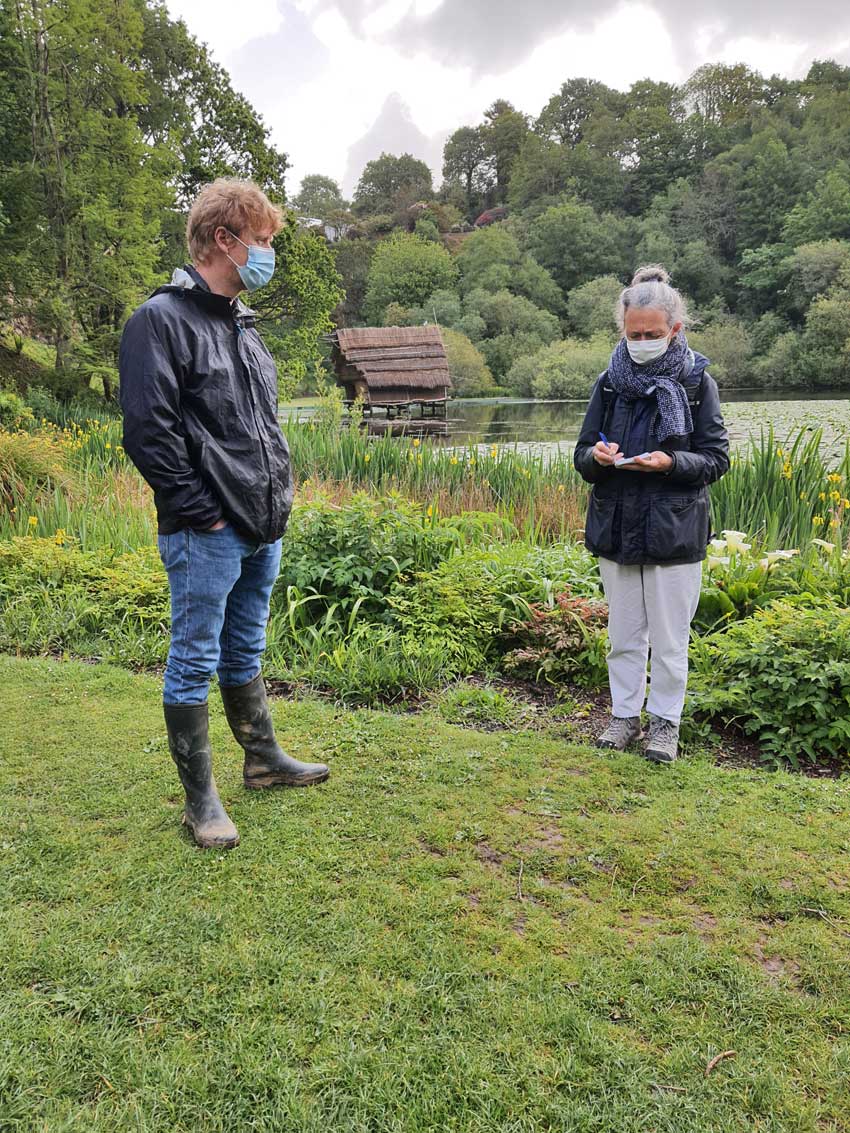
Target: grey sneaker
662	745
621	731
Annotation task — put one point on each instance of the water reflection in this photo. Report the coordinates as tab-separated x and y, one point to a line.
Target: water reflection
555	425
505	422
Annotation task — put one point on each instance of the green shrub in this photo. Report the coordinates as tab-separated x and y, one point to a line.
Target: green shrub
591	307
779	364
726	344
14	412
470	602
352	555
469	372
782	675
456	607
56	598
560	643
406	269
565	369
476	706
29	462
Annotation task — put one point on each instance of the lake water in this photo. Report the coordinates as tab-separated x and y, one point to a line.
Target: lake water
555	424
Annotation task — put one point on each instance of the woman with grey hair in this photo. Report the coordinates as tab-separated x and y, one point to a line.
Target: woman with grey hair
653	439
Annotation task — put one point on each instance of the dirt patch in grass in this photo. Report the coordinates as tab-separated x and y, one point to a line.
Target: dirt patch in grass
430	848
490	857
547	838
705	925
776	968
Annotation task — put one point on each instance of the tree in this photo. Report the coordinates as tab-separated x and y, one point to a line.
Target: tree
763	275
812	270
467	162
541	173
319	196
726	343
492	259
564	116
826	212
297	304
576	245
768	184
591	307
828	73
655	148
823	355
513	326
389	184
442	308
190	108
113	117
83	191
722	94
469	372
504	132
406	269
698	271
352	259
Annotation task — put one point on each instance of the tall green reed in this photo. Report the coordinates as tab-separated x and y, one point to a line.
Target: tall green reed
783	493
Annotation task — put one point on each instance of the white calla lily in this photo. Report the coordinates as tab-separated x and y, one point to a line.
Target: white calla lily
735	542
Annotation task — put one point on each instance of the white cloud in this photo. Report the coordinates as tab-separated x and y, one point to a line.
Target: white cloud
386	17
223	26
334	112
328	82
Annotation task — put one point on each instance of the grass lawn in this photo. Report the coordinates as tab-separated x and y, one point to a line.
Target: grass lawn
460	931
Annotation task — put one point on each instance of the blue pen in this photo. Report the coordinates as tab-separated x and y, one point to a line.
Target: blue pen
604	439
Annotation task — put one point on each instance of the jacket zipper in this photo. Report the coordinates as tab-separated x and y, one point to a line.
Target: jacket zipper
239	333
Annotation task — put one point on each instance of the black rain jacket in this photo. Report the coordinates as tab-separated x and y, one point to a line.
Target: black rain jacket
653	518
199	397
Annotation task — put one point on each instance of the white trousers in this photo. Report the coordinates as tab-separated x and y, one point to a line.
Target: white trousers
650	609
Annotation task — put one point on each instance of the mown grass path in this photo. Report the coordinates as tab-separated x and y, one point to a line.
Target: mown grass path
460	931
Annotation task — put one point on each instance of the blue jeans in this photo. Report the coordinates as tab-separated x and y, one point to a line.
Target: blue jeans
220	586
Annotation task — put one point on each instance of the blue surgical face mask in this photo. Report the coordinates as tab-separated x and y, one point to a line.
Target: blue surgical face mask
259	267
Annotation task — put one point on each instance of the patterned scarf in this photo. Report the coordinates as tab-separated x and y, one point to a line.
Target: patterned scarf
660	377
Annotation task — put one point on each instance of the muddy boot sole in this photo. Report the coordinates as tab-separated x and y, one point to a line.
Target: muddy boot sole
211	842
282	779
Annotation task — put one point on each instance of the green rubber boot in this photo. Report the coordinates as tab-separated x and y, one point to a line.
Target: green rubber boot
266	765
188	740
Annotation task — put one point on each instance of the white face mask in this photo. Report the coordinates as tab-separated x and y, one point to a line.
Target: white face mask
643	350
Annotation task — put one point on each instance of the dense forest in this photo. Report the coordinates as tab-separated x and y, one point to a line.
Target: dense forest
739	184
112	116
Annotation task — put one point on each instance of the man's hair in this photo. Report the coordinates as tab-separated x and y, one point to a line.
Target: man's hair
232	203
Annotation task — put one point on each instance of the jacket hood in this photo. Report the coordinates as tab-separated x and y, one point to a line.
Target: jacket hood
701	364
187	282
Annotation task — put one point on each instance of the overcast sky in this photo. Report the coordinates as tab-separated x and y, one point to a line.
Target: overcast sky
338	81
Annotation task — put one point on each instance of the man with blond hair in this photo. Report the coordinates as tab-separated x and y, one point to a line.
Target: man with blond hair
199	396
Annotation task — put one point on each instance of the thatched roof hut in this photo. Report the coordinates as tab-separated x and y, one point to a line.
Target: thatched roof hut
392	367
